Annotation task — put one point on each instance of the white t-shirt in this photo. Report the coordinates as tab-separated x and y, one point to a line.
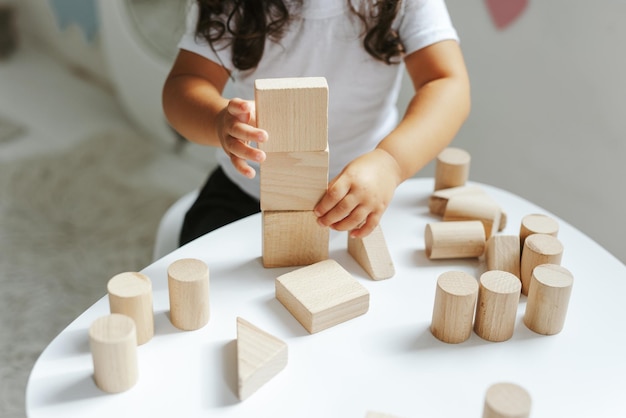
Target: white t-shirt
325	42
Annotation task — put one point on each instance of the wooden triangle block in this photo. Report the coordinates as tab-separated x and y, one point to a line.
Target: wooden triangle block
372	254
260	357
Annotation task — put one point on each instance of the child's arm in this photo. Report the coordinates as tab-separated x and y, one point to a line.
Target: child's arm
359	195
194	106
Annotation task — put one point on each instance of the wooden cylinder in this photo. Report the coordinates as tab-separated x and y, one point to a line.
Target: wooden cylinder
506	400
453	311
470	208
188	283
496	311
451	168
538	249
457	239
548	299
130	294
537	223
113	343
503	253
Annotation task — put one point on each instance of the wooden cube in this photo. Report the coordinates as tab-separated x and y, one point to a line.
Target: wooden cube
293	180
322	295
293	238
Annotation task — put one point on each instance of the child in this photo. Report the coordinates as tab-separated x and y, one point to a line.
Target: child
361	51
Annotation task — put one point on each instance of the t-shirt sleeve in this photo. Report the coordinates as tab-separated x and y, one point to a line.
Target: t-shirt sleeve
198	45
423	23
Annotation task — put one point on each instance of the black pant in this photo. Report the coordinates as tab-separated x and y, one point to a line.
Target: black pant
220	202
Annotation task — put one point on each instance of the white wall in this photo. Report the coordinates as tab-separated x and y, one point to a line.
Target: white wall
548	120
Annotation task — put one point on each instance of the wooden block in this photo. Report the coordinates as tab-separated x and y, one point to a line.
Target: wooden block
293	238
322	295
506	400
538	249
537	223
130	294
294	112
293	180
451	168
113	344
548	299
453	312
188	284
474	207
372	254
460	239
503	253
260	357
439	198
496	311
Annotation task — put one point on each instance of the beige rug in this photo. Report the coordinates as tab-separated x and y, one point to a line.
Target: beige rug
68	223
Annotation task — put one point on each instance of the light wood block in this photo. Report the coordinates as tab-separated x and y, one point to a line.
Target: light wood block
538	249
293	180
479	208
113	344
293	238
294	112
453	312
322	295
460	239
537	223
439	198
548	299
130	294
452	167
496	311
506	400
188	284
260	357
372	254
503	253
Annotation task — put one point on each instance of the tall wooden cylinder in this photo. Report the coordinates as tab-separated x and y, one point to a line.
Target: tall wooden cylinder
130	294
548	299
537	223
453	311
188	283
455	239
503	253
506	400
451	168
496	311
538	249
113	343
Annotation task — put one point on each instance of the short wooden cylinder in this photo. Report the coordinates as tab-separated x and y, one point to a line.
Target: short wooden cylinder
538	249
507	400
113	343
548	299
188	283
537	223
452	168
503	253
453	312
130	294
479	208
455	239
498	298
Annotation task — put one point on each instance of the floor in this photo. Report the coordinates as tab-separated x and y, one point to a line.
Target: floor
44	107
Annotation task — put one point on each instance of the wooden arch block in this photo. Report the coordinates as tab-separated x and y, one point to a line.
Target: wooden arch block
372	254
322	295
260	357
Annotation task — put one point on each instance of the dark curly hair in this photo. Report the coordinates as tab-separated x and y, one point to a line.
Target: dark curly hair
244	25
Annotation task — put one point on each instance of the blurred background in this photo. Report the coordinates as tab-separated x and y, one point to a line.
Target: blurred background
88	165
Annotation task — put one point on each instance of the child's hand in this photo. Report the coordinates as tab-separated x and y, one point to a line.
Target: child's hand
236	128
359	195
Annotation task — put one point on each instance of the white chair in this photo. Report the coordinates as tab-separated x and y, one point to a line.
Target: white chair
166	239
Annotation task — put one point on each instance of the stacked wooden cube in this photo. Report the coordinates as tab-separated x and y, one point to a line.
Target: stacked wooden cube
294	175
